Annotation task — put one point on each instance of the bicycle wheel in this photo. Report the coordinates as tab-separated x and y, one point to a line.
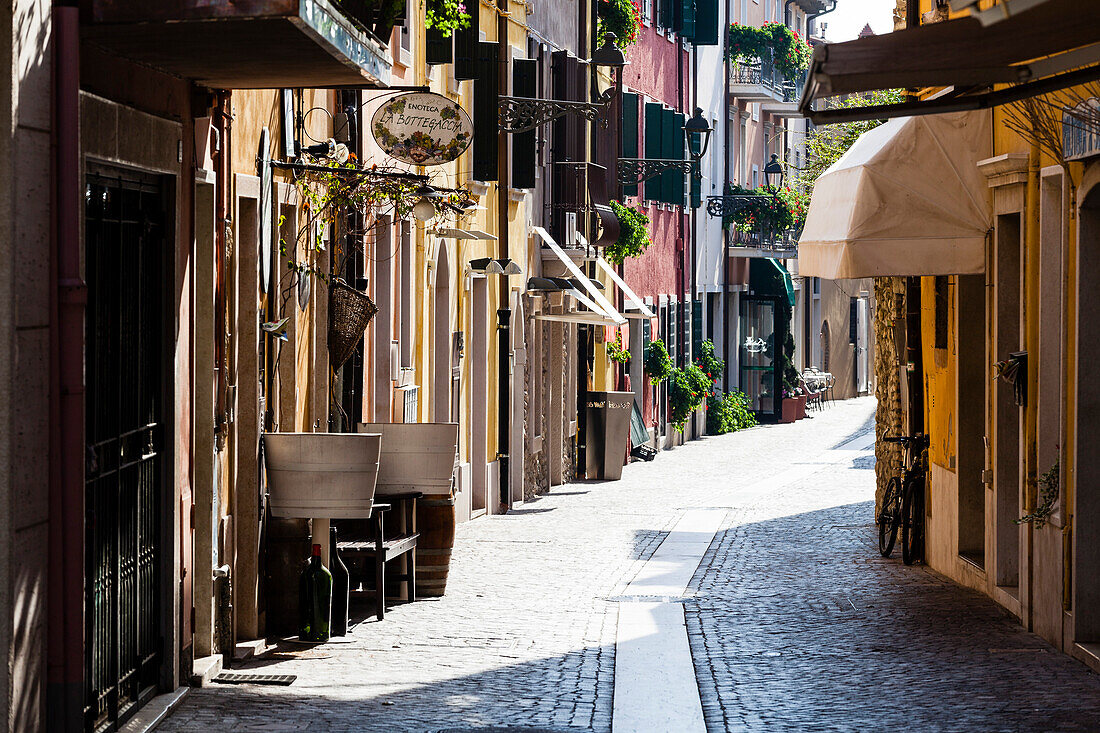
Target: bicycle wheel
889	517
912	522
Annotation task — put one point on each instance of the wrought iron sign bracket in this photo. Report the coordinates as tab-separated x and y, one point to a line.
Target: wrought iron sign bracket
522	114
729	205
635	170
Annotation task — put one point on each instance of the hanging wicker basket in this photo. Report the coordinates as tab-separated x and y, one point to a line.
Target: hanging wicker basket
349	314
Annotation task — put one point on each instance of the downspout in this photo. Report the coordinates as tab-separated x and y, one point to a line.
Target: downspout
726	292
1031	344
683	343
691	182
65	639
504	312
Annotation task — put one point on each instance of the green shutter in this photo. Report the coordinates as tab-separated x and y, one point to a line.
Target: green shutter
630	134
438	49
706	23
653	145
696	328
523	143
678	154
686	27
696	191
466	44
668	152
665	13
486	115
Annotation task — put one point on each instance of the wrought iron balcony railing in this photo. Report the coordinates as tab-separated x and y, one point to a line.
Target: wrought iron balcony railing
784	243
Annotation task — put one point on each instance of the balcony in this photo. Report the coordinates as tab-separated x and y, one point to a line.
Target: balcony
759	243
788	105
758	82
250	44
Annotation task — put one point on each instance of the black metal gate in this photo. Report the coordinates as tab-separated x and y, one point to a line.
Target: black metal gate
125	244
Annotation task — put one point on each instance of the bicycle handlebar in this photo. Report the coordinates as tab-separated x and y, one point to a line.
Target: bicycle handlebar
919	439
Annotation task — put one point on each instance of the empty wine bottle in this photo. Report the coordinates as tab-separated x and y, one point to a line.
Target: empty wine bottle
315	600
340	589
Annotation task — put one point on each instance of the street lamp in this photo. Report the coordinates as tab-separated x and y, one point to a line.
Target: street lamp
521	114
773	173
697	133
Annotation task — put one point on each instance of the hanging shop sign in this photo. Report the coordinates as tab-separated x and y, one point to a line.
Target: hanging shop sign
422	128
1081	130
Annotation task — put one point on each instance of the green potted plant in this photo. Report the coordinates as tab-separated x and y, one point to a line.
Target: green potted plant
687	389
633	238
790	54
747	44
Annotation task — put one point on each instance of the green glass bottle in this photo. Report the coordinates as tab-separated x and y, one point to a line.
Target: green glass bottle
315	600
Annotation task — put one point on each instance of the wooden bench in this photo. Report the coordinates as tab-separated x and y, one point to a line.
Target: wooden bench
375	542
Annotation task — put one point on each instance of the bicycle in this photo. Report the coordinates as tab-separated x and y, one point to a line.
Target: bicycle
903	502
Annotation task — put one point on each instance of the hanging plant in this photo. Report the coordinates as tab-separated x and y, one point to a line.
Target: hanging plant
1048	497
446	16
633	238
616	352
791	54
621	17
658	364
747	44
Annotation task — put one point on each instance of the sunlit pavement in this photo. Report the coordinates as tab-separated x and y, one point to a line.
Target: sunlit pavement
793	620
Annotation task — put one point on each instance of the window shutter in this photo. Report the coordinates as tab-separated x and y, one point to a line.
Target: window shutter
696	328
630	134
653	141
679	120
438	49
686	27
486	105
665	13
706	23
668	152
466	41
524	84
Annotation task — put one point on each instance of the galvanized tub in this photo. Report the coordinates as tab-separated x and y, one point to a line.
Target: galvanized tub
324	475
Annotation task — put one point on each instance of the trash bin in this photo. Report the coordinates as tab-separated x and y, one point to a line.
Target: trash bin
607	428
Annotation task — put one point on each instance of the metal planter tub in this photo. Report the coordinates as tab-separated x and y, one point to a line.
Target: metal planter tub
332	475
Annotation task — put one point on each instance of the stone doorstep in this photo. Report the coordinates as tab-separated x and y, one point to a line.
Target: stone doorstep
155	711
245	650
205	669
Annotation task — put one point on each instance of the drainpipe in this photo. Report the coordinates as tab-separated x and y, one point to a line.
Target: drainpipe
1031	344
65	639
504	313
729	327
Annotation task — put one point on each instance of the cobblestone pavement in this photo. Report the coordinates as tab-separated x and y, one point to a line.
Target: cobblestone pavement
795	622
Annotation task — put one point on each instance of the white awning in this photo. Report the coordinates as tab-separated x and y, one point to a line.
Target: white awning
643	309
591	318
604	305
906	199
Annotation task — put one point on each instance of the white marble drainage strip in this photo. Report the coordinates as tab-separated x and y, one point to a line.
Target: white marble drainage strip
655	687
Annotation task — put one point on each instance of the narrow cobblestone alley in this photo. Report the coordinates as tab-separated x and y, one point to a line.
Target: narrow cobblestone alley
794	621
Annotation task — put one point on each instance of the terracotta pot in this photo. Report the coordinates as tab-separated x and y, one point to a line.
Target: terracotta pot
789	410
801	399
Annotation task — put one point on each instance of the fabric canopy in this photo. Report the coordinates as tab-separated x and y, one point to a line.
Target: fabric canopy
768	277
906	199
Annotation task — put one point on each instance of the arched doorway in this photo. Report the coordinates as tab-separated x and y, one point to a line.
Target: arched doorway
441	337
1086	525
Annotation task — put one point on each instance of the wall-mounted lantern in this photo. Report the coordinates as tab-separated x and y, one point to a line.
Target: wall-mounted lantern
697	132
522	114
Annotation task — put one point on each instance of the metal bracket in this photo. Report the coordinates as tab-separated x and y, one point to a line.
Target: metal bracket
633	171
729	205
522	114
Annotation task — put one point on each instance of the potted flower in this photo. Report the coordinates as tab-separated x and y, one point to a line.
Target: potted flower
621	17
616	352
658	364
633	238
444	17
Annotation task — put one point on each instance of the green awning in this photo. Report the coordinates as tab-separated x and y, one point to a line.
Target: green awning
768	277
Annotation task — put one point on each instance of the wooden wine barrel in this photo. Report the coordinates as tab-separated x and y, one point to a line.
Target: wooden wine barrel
435	521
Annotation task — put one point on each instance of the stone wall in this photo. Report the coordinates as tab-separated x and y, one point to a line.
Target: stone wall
889	298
